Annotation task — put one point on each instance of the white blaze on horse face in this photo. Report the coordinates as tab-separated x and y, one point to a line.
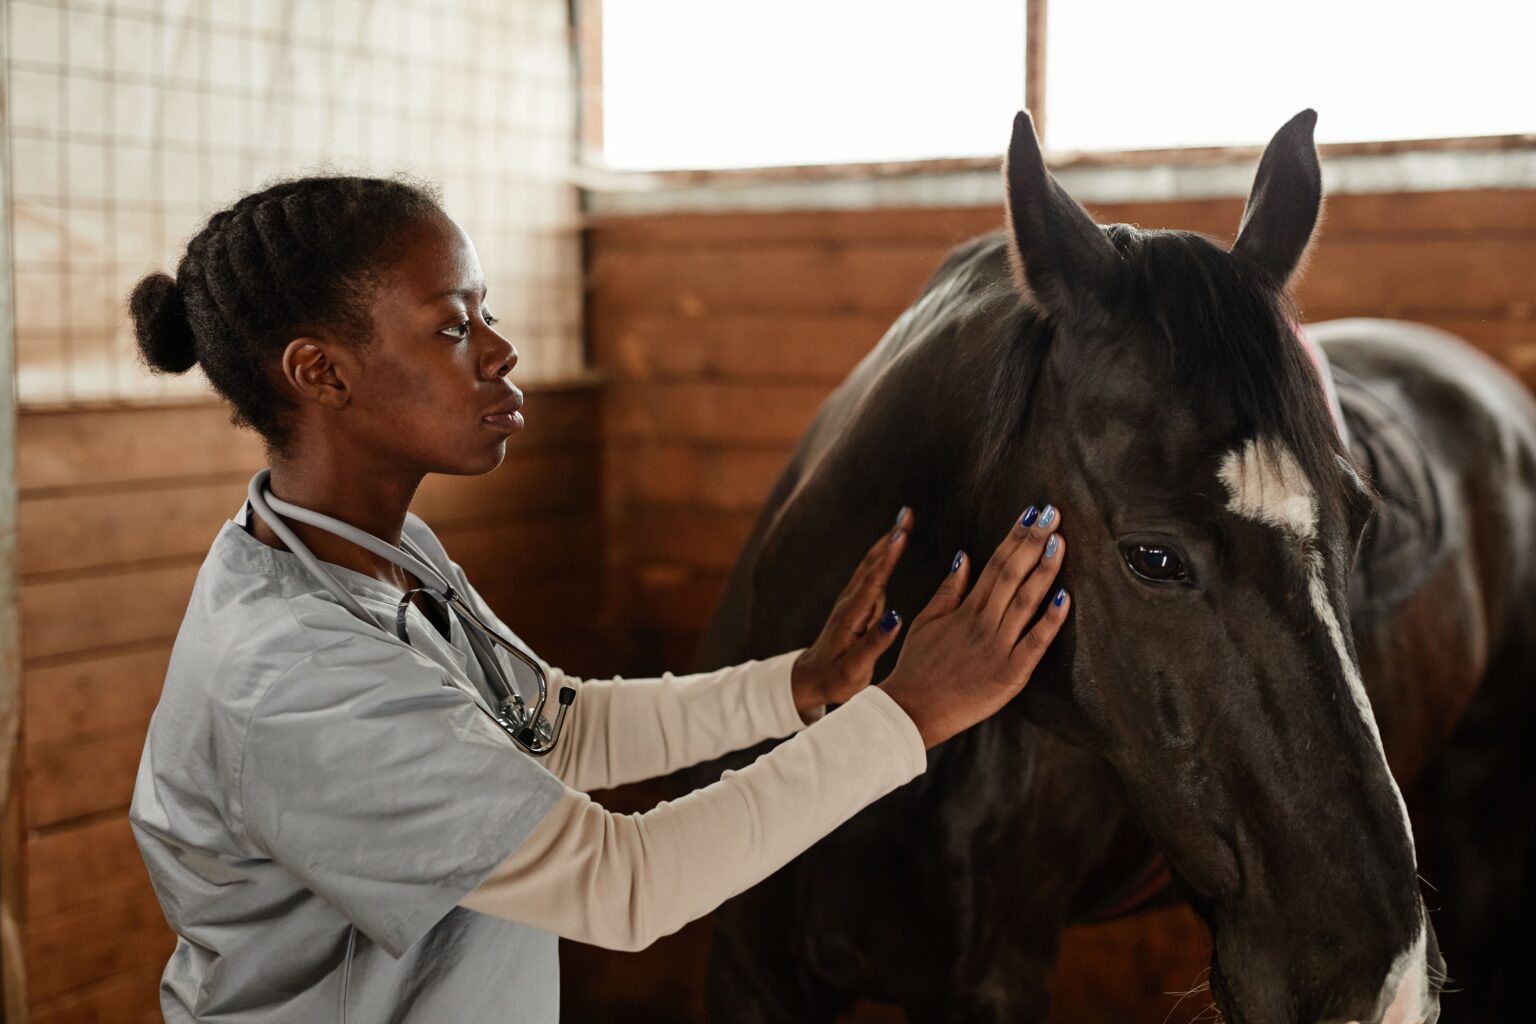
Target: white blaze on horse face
1266	484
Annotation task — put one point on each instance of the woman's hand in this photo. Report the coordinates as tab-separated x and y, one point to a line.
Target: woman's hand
966	658
842	660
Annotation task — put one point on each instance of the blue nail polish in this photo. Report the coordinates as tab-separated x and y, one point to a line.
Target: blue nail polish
1048	516
1029	517
890	621
1061	595
954	566
901	517
1052	546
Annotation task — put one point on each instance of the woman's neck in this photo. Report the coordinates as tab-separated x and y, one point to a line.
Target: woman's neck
367	497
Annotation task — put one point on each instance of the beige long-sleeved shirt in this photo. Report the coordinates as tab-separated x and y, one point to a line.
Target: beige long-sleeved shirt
624	880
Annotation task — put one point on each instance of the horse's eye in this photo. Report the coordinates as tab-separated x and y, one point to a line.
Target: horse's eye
1160	565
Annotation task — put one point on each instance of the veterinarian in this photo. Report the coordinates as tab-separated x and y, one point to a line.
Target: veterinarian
339	802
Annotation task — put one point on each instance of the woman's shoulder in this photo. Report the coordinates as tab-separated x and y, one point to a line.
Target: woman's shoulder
255	615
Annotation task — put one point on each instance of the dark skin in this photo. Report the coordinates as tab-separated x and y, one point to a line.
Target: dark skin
431	393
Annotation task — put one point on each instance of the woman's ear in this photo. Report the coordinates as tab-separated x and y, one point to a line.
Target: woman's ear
313	375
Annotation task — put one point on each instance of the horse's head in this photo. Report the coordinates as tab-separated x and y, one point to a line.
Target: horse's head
1214	518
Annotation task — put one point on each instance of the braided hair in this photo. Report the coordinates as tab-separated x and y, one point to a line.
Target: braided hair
299	257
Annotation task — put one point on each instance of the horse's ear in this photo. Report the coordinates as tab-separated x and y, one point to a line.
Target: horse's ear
1060	257
1287	196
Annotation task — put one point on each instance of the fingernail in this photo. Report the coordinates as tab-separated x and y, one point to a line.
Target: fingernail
1052	546
890	621
1061	595
1048	516
954	566
1029	517
901	517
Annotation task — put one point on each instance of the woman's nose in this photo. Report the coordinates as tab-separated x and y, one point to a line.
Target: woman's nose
500	357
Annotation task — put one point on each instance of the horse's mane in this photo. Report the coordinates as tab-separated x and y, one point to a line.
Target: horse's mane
1222	336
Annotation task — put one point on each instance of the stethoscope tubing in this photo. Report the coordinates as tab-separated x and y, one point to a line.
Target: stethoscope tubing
529	729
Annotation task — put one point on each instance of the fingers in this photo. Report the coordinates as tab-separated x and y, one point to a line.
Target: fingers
875	641
1012	562
1030	593
1032	647
947	598
863	600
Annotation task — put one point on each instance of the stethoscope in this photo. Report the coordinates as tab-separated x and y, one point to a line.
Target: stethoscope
527	727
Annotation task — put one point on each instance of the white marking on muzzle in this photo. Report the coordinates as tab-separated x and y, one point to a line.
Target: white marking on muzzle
1266	484
1405	994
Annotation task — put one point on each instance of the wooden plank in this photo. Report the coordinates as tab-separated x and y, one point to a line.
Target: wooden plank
693	537
1447	274
104	446
74	779
715	412
1475	212
130	996
72	866
1469	212
796	347
117	934
561	417
92	697
796	276
532	549
941	226
1428	215
533	481
73	530
1450	273
711	477
75	615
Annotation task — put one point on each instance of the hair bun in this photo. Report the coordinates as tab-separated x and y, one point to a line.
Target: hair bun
160	323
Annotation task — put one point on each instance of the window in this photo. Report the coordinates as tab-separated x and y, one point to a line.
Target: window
1216	72
735	84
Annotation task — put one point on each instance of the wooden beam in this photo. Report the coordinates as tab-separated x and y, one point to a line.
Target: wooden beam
1034	64
589	71
13	990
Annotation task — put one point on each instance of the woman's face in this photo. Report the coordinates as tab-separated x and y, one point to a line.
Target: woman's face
431	394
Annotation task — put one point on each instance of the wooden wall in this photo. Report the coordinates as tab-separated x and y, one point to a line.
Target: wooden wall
118	507
724	332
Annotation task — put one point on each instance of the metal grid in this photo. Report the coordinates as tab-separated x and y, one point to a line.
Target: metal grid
134	120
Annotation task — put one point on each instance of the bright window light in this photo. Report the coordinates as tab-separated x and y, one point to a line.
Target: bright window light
732	83
1138	75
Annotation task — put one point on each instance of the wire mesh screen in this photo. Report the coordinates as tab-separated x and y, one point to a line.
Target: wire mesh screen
134	120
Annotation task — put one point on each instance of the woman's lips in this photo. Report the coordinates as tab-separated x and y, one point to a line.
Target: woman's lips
510	422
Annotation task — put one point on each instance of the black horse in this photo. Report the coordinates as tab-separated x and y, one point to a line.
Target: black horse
1257	589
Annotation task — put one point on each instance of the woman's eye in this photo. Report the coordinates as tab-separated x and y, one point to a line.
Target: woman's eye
491	319
1159	565
458	330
